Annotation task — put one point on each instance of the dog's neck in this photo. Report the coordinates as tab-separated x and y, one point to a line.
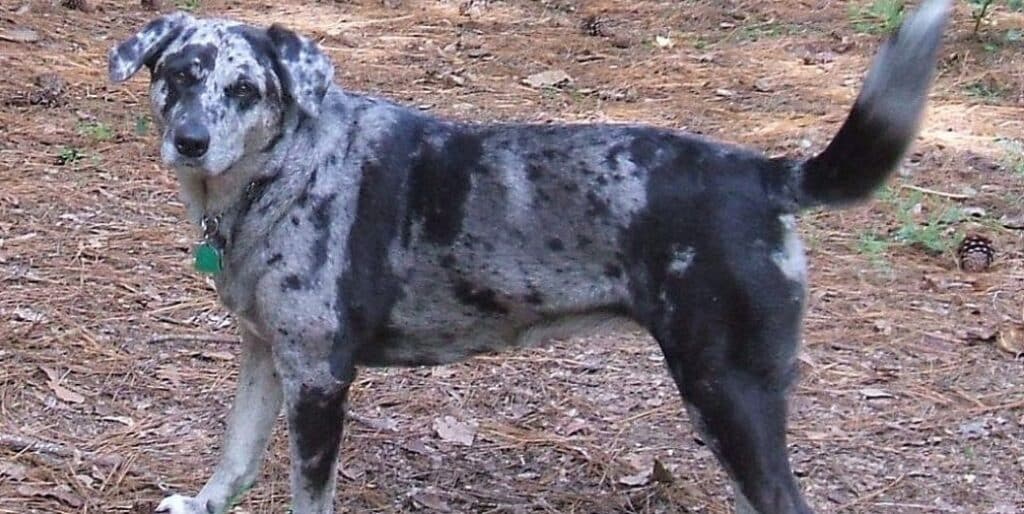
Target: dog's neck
207	197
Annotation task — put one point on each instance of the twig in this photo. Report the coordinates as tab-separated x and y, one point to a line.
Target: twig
192	338
24	444
375	424
925	190
873	494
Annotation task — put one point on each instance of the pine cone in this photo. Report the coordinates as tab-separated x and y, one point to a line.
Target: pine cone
975	253
50	89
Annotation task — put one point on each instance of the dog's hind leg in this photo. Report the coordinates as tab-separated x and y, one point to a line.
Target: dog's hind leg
739	407
256	406
730	342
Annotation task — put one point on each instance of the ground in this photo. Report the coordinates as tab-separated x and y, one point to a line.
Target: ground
117	364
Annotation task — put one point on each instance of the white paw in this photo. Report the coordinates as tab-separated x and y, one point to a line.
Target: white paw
179	504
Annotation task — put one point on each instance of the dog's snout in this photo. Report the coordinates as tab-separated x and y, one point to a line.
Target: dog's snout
192	139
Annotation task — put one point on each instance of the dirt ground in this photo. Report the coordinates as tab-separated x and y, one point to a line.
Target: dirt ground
117	364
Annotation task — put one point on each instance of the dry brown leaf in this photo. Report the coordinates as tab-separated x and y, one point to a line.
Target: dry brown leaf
61	392
661	474
216	356
574	427
19	35
870	393
1011	341
644	467
13	470
637	479
61	493
455	431
550	78
431	499
65	394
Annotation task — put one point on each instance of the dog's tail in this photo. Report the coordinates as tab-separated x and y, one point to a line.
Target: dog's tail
883	122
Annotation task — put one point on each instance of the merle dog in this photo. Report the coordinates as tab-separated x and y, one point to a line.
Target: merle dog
349	231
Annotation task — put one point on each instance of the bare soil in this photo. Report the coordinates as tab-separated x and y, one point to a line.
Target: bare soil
117	364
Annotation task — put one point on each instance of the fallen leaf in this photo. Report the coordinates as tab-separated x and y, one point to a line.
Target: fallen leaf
216	356
819	58
644	470
431	499
725	93
14	471
661	474
762	86
124	420
550	78
875	394
636	480
455	431
61	493
1014	222
1011	341
19	35
60	391
976	212
64	393
25	314
574	427
883	326
978	334
50	373
974	429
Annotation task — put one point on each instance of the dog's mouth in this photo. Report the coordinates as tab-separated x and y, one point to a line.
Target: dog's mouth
204	165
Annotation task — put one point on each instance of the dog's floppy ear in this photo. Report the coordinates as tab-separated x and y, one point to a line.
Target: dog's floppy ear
145	47
305	72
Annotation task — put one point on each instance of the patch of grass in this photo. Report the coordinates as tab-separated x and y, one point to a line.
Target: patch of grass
981	8
766	30
188	5
986	90
1014	157
96	130
879	17
936	233
874	247
931	234
69	155
142	123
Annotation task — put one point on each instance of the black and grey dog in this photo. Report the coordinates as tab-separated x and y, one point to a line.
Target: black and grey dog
351	232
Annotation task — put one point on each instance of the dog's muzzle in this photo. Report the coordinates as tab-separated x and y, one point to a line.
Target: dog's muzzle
191	139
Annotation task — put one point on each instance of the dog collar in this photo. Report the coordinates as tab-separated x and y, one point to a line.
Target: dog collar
209	253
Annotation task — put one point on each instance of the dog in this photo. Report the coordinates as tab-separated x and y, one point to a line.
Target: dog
346	231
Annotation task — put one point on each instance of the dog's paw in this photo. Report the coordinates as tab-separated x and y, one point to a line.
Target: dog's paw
179	504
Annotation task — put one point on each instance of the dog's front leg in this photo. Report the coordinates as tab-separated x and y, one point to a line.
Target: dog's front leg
315	395
256	406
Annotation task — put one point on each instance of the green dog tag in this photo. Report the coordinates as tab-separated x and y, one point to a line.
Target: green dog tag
208	259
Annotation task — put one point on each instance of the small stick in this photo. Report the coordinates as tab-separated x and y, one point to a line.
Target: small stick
369	422
954	196
873	494
192	338
24	444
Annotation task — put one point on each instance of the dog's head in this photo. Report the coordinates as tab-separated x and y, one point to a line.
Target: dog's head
219	89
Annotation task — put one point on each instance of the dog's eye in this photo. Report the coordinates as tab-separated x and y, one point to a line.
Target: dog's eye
242	91
182	78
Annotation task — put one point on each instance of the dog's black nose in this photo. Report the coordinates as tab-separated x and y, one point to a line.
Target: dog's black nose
192	139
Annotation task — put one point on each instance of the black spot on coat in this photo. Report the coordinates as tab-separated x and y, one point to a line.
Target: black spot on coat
440	183
317	423
485	300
